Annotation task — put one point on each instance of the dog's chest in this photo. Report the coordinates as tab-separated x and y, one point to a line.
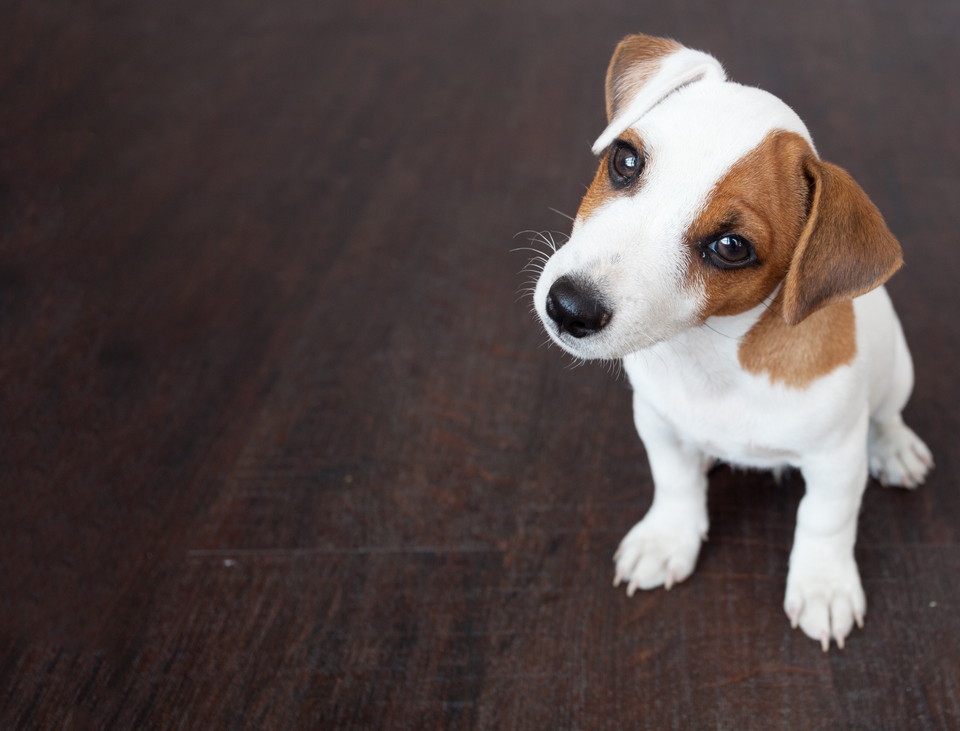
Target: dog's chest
711	403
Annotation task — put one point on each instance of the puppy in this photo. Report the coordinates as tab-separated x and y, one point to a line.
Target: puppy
739	278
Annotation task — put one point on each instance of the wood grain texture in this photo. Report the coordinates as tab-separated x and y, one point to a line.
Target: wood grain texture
280	446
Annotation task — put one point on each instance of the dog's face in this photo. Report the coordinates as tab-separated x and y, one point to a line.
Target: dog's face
700	207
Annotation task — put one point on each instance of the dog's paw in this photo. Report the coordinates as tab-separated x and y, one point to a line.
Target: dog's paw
662	549
898	457
825	600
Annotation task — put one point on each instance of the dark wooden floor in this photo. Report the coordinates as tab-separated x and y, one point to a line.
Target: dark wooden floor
279	444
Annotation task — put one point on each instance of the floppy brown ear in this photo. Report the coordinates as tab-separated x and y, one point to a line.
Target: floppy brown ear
635	61
845	249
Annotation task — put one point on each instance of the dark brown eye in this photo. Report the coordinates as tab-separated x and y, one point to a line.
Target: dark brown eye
730	251
625	163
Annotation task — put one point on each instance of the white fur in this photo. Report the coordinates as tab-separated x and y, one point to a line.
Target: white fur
692	399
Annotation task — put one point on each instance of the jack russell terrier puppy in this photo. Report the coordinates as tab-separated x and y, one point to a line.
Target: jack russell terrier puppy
739	278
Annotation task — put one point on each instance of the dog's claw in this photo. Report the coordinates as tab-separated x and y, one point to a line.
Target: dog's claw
925	458
793	614
825	641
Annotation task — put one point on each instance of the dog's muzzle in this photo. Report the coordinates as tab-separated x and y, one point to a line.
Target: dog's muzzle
576	308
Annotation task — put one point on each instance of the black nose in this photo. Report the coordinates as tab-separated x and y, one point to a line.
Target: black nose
576	308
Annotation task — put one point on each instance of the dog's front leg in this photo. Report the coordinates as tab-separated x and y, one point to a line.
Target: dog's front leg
662	549
824	596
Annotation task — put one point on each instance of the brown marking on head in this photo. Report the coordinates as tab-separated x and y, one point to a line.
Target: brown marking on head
816	232
601	190
796	355
764	199
635	60
844	250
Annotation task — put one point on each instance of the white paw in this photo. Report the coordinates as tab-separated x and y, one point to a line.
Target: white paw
662	549
825	600
898	457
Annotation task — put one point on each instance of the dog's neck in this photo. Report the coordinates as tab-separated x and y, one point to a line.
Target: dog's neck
736	327
760	342
797	355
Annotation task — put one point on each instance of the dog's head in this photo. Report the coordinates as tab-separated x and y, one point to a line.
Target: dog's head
709	196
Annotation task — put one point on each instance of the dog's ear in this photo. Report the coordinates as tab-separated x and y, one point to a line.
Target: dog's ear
643	71
635	61
845	249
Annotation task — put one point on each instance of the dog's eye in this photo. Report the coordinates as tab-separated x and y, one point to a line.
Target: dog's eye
625	163
730	251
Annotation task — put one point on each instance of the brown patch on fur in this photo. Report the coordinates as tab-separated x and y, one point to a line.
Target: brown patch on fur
763	198
814	230
635	60
601	190
796	355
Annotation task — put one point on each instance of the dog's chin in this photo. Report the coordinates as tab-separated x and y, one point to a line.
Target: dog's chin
599	346
582	350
